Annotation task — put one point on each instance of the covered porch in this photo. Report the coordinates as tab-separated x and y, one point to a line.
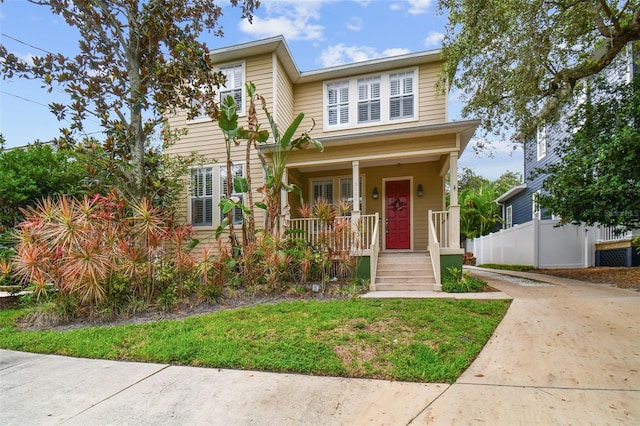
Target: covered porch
394	190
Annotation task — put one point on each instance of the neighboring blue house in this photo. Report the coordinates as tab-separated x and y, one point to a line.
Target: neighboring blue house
519	203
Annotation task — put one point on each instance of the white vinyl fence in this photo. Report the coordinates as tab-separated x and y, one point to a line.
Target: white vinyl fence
539	243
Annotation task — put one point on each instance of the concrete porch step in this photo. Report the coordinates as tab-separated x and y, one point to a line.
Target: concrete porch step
387	279
408	287
386	271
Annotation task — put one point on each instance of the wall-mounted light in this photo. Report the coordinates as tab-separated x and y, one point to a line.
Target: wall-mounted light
420	190
374	194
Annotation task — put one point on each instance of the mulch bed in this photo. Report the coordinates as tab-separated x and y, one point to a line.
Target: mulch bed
619	277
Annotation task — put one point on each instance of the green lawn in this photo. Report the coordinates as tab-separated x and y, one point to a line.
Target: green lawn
431	340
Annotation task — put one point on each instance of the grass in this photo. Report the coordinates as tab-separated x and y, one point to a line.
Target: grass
431	340
521	268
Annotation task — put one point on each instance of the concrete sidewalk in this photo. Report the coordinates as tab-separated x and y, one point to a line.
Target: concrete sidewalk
565	353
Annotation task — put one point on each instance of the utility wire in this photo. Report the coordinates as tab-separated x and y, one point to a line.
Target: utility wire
26	44
24	99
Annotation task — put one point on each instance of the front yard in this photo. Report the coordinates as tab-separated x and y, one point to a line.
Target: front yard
431	340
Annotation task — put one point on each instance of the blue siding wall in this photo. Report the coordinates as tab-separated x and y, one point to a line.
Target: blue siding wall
521	207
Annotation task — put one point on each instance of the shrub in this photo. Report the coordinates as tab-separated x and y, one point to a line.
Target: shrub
461	282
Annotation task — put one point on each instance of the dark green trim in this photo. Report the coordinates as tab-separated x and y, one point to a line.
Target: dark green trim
363	267
449	261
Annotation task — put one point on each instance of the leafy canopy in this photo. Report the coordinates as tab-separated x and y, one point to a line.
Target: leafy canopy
598	177
509	58
136	57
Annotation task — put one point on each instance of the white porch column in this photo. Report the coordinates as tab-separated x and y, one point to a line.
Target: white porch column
284	215
454	208
355	207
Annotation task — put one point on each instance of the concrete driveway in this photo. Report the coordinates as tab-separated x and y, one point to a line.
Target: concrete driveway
565	353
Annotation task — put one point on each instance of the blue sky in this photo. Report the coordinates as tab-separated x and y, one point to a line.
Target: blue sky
319	34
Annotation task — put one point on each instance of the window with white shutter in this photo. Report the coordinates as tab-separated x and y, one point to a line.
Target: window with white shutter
323	189
234	83
338	103
346	190
401	95
509	217
201	196
541	140
369	100
238	171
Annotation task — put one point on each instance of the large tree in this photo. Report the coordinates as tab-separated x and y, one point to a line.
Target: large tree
138	59
512	58
598	177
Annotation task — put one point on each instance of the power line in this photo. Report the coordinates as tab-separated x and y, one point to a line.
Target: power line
26	44
24	99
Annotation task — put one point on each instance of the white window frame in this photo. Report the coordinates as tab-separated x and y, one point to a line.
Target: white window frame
237	212
541	140
352	85
369	98
325	182
402	93
223	90
202	195
341	106
508	216
536	212
349	195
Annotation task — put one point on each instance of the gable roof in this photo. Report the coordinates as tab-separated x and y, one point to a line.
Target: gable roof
279	46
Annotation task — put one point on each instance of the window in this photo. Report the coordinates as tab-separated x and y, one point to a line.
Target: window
201	196
234	84
508	219
535	206
238	171
401	95
338	103
346	190
369	100
323	189
541	140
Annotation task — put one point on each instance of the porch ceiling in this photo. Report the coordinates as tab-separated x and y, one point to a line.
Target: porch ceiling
366	163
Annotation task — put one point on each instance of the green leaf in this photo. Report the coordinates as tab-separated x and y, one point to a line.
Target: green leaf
296	190
288	134
240	184
228	120
220	229
226	205
261	205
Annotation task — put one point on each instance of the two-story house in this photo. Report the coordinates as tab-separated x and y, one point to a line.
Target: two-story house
387	143
530	234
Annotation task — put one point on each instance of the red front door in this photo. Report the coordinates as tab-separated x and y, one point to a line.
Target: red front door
398	214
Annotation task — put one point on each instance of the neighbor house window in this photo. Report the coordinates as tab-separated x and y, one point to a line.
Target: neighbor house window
238	171
508	219
369	100
201	196
322	189
535	205
338	103
234	83
401	95
541	140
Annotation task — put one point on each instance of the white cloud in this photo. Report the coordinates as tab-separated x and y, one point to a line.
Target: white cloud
290	18
354	24
395	6
363	3
395	51
433	39
491	158
343	54
417	7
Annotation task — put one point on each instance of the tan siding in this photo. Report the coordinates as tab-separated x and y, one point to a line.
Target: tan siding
431	104
284	87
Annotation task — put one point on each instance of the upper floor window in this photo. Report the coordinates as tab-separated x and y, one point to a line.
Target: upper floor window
541	140
338	103
234	83
401	95
369	100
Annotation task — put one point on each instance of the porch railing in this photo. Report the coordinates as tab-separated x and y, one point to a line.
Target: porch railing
613	233
441	225
374	249
437	229
340	235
